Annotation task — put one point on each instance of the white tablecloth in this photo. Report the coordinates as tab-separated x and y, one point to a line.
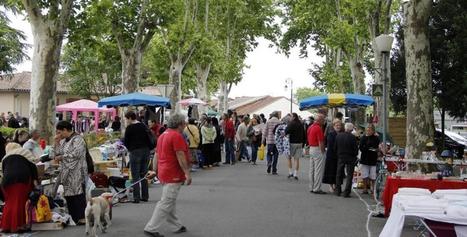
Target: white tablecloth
455	212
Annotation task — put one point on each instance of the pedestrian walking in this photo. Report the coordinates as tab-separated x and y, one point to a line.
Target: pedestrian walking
229	136
173	169
347	151
281	138
369	148
217	142
242	139
330	167
269	140
263	119
138	143
208	136
254	136
315	138
192	132
296	139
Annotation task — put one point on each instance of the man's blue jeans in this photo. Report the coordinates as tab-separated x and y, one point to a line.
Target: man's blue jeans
229	151
244	151
254	152
272	157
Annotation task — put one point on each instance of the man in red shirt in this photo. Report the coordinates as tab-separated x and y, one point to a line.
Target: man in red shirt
315	139
229	136
173	169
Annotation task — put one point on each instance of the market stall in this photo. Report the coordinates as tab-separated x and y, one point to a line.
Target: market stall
336	100
441	213
111	156
85	106
393	184
134	99
137	99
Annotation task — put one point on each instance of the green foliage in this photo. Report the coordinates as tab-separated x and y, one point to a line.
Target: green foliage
337	30
398	92
448	48
332	80
222	41
11	46
132	21
92	69
156	63
448	60
7	132
305	92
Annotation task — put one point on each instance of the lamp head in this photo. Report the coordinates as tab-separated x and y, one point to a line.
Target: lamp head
384	43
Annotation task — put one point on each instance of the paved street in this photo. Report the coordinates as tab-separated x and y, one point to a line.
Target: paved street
242	200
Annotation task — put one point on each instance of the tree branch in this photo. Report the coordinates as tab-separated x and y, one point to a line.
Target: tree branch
187	57
33	11
141	26
147	39
118	36
387	15
229	87
65	13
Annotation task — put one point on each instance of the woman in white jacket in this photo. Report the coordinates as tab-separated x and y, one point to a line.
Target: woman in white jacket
208	136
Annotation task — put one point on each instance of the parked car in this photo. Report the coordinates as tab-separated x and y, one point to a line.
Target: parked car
452	141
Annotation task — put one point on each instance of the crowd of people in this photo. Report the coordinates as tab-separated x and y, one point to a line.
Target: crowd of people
20	174
13	120
184	146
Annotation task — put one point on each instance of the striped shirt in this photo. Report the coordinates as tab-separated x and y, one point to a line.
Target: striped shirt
268	134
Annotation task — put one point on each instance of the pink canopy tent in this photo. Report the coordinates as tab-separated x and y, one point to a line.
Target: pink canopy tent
85	106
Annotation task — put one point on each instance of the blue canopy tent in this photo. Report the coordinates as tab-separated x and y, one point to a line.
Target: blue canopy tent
134	99
336	100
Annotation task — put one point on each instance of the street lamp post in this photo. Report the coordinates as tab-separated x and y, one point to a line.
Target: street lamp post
289	82
384	45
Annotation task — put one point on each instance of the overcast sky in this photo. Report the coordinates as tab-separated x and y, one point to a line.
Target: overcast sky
265	76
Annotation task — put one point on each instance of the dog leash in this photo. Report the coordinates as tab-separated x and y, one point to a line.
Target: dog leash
133	184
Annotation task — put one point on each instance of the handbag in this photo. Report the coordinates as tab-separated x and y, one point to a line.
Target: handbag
40	212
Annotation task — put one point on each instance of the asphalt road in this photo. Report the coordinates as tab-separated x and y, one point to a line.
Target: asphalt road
242	200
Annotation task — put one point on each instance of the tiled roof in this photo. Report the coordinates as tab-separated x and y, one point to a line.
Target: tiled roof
242	101
21	82
254	104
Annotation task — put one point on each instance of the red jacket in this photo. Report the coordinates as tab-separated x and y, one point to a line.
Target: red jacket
229	131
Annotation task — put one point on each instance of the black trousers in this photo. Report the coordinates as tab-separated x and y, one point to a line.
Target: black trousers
139	165
76	205
348	166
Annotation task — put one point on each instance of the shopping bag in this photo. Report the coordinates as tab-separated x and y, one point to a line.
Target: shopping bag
261	152
39	213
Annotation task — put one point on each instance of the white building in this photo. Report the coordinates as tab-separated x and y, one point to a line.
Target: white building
265	105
